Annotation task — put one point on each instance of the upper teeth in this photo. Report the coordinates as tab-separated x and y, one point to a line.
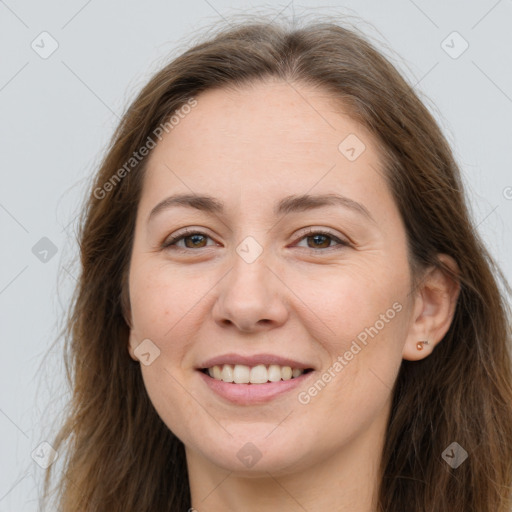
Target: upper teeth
260	374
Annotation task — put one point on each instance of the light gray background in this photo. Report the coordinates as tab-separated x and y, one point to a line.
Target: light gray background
57	115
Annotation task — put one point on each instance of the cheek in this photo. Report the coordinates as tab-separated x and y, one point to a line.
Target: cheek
162	304
361	322
161	298
365	358
173	402
348	301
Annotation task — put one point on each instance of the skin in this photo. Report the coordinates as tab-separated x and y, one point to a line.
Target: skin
303	297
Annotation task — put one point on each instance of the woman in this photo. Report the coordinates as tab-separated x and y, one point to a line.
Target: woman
283	300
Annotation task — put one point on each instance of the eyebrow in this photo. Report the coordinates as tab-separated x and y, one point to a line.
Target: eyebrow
289	204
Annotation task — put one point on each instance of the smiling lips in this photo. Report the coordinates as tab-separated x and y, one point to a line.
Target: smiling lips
259	374
261	369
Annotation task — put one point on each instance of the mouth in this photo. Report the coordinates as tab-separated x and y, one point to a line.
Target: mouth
257	374
255	379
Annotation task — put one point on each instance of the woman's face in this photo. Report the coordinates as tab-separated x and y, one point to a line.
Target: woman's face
271	274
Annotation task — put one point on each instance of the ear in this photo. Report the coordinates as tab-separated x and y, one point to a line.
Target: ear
434	305
124	297
132	345
127	315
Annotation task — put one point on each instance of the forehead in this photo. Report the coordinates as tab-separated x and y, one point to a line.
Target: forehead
263	141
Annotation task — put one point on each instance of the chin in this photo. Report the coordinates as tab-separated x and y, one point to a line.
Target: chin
257	456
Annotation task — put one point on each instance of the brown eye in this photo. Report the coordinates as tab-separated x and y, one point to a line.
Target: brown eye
195	240
191	240
322	240
319	241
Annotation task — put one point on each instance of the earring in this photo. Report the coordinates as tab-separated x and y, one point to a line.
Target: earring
420	344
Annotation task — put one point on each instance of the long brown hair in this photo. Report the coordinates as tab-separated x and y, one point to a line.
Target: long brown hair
120	456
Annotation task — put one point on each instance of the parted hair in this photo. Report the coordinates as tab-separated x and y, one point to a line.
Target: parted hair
117	455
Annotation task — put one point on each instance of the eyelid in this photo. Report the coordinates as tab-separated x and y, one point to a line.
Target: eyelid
343	241
173	239
318	230
181	234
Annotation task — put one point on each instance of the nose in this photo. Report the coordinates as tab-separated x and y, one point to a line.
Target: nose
251	297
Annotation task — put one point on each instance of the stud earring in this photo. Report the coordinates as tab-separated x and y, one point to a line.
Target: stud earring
420	344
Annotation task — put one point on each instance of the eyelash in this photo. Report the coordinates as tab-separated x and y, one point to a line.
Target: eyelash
188	233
